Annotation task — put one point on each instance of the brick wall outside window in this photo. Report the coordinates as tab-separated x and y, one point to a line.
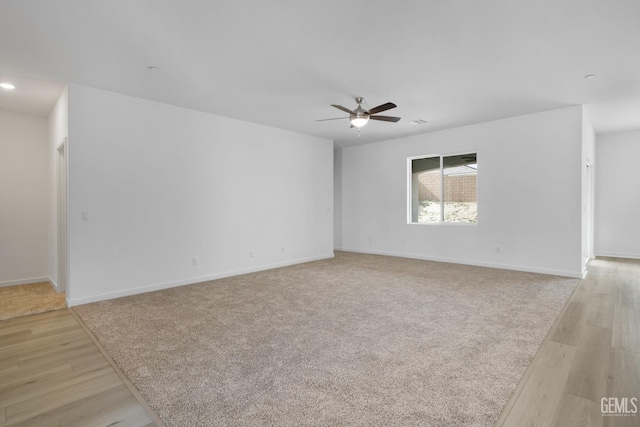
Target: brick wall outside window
457	188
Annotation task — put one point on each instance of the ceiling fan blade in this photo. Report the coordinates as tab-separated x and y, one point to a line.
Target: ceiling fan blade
326	120
381	108
385	118
340	107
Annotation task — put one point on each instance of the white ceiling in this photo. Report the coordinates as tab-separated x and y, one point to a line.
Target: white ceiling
282	62
32	96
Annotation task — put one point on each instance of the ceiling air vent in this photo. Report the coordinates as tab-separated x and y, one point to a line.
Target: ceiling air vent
418	122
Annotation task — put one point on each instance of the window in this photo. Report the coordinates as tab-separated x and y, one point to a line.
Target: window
443	189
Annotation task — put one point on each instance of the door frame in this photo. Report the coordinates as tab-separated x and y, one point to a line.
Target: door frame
62	208
589	211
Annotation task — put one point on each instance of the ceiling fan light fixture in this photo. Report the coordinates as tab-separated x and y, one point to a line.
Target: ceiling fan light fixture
359	121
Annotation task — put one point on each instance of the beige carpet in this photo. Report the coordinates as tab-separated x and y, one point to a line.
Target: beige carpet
23	300
359	340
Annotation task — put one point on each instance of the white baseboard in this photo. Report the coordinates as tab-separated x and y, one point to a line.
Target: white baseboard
573	274
190	281
24	281
618	255
55	285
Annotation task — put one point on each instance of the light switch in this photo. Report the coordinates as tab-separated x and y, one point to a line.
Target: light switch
86	215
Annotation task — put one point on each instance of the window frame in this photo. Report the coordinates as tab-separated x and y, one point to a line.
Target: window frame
442	202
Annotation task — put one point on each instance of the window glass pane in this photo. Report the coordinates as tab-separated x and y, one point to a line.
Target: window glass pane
425	189
460	188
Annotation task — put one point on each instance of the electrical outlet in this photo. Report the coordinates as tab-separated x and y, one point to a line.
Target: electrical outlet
497	249
86	215
251	254
195	261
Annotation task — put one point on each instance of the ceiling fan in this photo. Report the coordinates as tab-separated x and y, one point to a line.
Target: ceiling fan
360	117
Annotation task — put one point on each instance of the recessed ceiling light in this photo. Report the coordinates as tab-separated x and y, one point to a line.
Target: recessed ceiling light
589	76
418	122
7	86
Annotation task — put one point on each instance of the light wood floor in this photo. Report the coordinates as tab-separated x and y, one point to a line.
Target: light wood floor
591	352
52	374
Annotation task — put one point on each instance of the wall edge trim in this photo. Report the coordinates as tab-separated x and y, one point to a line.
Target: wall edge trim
572	274
618	255
24	281
189	281
54	284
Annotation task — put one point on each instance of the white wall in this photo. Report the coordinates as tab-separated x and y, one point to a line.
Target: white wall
617	213
164	184
24	180
58	131
529	195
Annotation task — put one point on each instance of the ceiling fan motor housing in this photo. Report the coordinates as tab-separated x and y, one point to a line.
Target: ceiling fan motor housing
360	113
